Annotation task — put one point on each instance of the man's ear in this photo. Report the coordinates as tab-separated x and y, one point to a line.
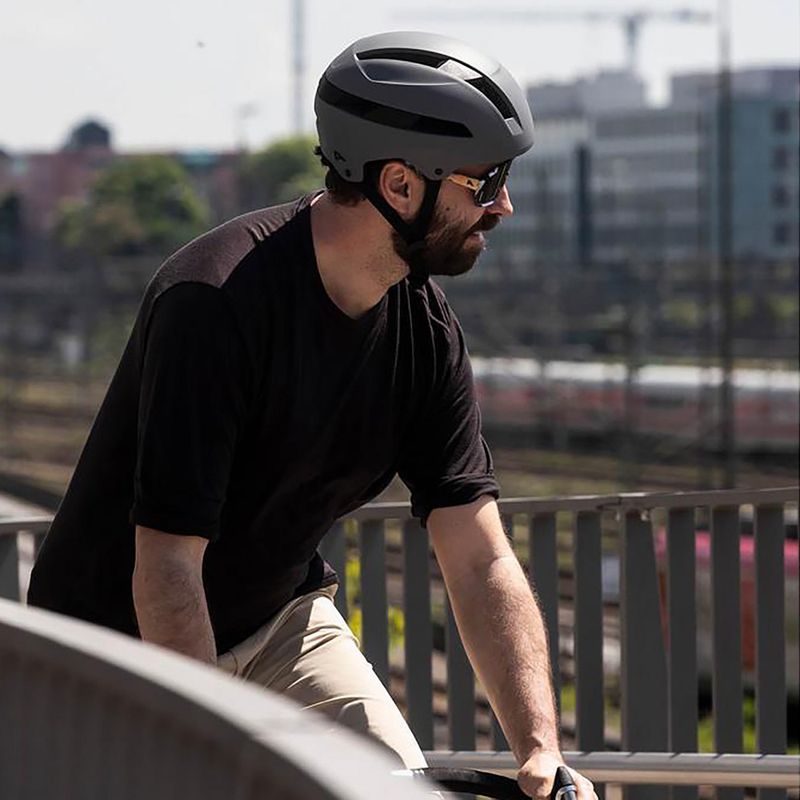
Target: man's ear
402	188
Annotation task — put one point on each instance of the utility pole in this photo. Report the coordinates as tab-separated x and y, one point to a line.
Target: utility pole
549	248
704	283
727	433
628	258
298	65
243	113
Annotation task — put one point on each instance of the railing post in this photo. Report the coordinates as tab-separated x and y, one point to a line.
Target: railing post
418	632
770	633
682	637
644	668
543	572
460	688
726	690
9	567
374	607
588	600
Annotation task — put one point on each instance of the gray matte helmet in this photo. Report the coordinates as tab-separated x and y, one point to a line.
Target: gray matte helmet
430	100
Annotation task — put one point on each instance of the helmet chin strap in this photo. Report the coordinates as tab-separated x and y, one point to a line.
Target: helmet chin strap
413	233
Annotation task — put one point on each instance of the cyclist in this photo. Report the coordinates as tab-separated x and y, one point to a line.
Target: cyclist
282	369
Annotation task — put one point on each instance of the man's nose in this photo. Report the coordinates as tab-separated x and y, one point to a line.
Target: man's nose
502	205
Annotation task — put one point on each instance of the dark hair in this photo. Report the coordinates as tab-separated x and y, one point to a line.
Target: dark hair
343	192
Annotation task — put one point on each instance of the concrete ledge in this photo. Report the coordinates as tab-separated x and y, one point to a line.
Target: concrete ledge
88	712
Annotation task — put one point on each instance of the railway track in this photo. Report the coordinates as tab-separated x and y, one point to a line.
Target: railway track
48	420
44	415
655	475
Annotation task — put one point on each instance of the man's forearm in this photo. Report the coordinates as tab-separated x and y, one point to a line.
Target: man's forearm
172	611
504	635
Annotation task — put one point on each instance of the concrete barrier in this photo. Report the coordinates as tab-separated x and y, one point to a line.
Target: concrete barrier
88	713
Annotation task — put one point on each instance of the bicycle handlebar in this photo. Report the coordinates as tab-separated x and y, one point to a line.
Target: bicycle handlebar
487	783
563	786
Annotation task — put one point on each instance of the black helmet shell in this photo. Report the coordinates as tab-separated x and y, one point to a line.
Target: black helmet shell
430	100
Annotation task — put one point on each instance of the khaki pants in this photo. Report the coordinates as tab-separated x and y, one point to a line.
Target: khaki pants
308	653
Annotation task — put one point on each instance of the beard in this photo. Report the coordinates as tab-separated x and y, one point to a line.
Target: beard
449	249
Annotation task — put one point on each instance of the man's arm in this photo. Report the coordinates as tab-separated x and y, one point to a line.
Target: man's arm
504	635
168	593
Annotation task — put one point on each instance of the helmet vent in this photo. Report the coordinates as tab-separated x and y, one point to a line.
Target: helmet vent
484	85
459	70
386	115
398	54
490	90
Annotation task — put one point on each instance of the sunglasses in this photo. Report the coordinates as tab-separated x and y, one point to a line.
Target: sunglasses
487	188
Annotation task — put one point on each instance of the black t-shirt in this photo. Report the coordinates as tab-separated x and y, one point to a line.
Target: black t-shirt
249	409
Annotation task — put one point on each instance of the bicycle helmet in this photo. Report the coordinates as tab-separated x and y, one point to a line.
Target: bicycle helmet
429	100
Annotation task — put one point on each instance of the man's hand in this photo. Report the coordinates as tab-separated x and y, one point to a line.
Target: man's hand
536	776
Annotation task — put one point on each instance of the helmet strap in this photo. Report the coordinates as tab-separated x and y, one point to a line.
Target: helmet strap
413	233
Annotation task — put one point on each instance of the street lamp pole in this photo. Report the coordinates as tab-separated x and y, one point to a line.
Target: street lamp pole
298	65
725	251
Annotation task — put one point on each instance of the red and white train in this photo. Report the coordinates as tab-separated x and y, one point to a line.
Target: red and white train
673	402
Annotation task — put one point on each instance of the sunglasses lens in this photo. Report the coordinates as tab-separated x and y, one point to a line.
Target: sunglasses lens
493	184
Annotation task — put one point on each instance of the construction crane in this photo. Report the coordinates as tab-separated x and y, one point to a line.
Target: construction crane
631	21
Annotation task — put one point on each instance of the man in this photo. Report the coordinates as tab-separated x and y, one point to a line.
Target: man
282	369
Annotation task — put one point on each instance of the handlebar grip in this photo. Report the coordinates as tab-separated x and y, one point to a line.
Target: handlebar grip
563	786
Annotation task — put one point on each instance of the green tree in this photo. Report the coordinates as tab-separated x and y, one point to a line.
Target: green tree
137	206
280	172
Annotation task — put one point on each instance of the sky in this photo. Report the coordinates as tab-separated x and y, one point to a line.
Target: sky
192	74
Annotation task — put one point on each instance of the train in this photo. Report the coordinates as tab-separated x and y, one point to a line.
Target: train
671	402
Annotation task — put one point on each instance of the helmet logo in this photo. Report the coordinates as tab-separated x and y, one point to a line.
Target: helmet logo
337	156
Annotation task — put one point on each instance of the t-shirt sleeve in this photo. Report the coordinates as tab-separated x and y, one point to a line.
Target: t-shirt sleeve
446	461
192	402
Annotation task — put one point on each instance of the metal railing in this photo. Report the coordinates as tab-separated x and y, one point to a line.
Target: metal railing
665	769
657	619
11	530
653	540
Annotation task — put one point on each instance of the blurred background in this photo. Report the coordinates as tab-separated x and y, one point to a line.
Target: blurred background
633	327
